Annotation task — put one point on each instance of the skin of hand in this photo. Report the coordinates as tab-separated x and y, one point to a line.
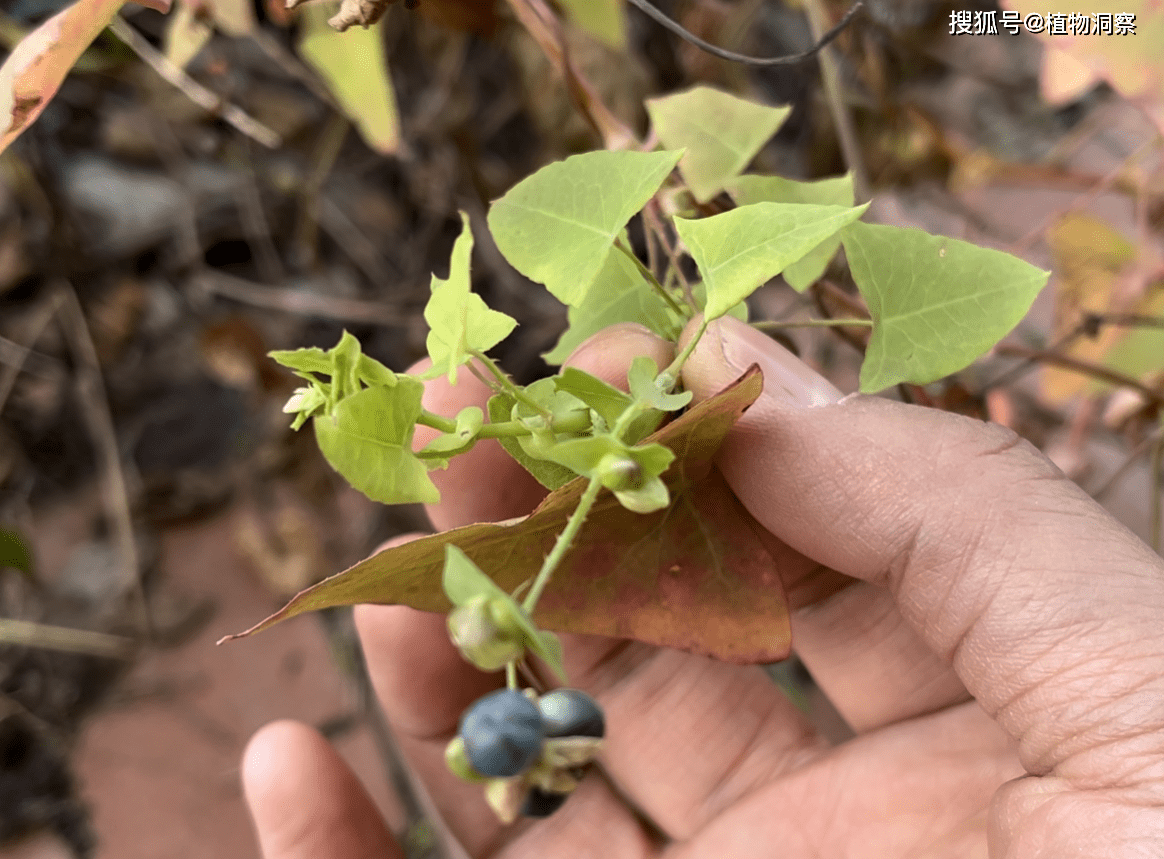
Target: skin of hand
993	636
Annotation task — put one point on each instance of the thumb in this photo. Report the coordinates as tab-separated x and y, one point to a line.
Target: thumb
1048	608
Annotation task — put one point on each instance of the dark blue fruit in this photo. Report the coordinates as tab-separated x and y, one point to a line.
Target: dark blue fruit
503	733
571	713
542	803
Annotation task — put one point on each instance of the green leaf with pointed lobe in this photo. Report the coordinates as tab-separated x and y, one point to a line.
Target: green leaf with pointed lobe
459	320
368	440
937	303
694	575
836	191
619	293
558	226
721	133
739	251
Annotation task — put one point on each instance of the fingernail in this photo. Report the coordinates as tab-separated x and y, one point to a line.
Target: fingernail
786	377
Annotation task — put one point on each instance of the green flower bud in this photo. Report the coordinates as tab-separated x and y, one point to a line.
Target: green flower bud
619	473
458	762
485	634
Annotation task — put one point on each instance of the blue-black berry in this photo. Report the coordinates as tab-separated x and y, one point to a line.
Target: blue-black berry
571	713
502	733
542	803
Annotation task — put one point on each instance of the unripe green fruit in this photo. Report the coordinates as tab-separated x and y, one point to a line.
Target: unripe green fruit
481	630
619	473
457	761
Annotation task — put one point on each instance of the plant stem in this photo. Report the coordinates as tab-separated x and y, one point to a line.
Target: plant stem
443	424
507	384
511	675
652	280
562	545
510	429
672	372
811	323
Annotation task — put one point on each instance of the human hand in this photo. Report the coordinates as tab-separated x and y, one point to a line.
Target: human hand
993	636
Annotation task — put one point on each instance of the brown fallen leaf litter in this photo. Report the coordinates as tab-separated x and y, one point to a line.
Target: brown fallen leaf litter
151	253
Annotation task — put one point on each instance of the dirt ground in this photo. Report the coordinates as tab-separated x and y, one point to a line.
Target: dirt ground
151	254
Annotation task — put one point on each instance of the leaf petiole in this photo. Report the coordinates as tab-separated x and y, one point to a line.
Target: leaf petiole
670	376
652	280
437	422
507	385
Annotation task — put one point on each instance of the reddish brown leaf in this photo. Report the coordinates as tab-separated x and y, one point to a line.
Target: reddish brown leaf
693	576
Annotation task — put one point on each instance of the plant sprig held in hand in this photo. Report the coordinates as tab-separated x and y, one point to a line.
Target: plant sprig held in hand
935	305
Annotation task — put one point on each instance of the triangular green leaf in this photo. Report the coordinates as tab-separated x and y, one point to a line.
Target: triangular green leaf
619	294
459	320
722	134
740	250
837	191
557	226
355	68
368	439
937	303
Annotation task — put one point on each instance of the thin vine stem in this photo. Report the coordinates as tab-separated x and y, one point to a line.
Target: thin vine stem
651	279
508	386
437	422
671	374
677	28
562	544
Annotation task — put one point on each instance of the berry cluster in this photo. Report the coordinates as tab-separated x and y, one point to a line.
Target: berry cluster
531	751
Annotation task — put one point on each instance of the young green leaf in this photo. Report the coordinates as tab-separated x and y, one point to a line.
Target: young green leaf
740	250
643	381
355	68
463	580
619	294
469	422
609	402
584	455
368	439
312	360
548	474
837	191
458	319
937	303
693	576
605	399
557	226
721	133
305	403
